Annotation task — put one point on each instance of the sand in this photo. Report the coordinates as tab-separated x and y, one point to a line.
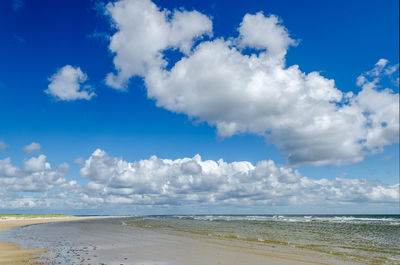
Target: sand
11	253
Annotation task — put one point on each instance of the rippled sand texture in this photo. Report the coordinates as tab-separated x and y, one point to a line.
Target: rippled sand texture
11	253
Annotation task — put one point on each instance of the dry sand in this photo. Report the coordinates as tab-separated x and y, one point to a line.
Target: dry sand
11	253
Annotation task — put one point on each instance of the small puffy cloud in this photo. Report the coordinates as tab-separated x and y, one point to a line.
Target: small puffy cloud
260	32
217	81
371	78
32	148
195	181
68	84
36	164
3	146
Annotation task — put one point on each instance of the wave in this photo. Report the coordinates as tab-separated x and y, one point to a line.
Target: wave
392	220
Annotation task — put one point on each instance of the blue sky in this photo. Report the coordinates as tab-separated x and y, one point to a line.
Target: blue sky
134	119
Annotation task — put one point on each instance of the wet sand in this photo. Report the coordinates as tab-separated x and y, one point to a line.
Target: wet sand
109	242
11	253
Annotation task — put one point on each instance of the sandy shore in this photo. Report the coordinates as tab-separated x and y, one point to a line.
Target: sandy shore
11	253
109	241
113	242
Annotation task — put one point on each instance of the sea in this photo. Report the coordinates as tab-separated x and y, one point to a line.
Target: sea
365	239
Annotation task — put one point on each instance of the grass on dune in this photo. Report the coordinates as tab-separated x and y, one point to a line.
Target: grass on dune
4	216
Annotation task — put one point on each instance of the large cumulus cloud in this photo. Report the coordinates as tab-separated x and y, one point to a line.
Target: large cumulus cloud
242	84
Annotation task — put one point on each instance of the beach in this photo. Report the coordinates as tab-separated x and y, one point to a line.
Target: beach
202	240
11	253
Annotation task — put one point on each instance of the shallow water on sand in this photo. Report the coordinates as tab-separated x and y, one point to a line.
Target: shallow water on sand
351	239
367	239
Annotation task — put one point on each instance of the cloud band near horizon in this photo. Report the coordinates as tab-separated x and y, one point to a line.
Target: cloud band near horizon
178	183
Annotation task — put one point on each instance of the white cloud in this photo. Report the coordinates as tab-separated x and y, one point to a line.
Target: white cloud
186	182
379	107
3	146
37	185
37	175
34	164
7	169
305	115
194	181
144	31
32	148
260	32
68	84
381	69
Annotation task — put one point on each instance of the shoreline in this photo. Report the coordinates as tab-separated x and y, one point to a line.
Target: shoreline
107	242
158	240
11	253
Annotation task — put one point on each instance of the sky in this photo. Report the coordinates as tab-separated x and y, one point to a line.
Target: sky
194	107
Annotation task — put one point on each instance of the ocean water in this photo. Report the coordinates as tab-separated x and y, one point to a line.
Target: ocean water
364	239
